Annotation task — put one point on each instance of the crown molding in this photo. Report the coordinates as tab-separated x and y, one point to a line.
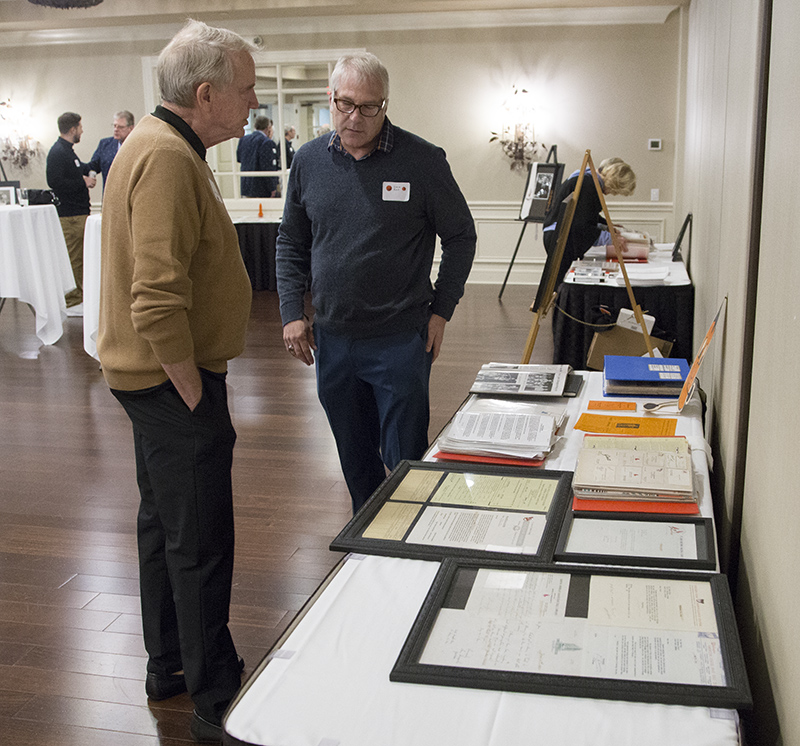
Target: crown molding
263	27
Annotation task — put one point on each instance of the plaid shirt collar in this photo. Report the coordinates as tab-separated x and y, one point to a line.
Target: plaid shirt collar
385	140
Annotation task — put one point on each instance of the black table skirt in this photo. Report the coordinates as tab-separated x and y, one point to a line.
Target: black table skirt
257	244
672	307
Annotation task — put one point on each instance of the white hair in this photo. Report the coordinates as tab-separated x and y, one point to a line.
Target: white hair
364	66
197	54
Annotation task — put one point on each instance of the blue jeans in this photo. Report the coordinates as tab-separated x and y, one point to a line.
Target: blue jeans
375	394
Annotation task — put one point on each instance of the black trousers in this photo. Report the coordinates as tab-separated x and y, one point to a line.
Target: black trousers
185	536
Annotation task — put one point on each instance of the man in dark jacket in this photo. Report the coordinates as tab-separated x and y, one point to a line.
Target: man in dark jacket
69	179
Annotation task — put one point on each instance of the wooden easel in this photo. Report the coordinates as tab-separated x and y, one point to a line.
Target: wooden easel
563	233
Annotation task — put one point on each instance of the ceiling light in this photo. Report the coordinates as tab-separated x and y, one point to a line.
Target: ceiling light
66	3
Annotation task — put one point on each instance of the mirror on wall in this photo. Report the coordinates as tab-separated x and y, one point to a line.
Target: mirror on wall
295	97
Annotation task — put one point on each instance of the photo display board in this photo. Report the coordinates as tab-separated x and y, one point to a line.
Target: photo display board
644	540
592	632
543	182
434	510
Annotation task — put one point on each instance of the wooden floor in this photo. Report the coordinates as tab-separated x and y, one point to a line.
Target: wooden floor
72	663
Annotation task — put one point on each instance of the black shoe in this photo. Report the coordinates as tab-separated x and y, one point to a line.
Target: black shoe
203	731
164	686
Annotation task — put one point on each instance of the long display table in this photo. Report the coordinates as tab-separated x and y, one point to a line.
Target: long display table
327	679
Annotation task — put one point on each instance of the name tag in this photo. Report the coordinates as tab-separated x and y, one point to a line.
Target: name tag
396	191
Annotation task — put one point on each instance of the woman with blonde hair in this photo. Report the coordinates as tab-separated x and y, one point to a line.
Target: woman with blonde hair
588	223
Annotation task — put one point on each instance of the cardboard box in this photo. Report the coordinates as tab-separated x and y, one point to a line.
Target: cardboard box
620	341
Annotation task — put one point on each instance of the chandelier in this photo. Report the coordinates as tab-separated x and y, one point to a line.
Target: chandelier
66	3
17	147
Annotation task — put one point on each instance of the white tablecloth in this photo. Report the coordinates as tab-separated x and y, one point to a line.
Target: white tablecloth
328	681
641	275
329	684
91	284
34	265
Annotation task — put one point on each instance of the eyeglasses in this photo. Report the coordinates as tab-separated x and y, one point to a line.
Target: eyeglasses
366	110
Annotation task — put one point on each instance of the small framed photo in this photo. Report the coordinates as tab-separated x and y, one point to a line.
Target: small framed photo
8	196
543	181
626	634
427	510
642	540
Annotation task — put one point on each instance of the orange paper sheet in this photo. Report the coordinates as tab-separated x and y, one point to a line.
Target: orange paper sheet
609	404
611	425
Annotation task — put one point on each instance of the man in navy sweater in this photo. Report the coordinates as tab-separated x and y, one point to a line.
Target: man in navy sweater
363	208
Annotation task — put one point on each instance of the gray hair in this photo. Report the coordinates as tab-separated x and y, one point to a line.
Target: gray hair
126	115
197	54
261	123
364	66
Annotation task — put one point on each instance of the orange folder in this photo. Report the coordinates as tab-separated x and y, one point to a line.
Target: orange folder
635	506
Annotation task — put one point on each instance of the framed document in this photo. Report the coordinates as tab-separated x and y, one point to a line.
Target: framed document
601	633
645	540
435	510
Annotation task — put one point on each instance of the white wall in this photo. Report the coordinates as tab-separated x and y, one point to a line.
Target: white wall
720	164
771	519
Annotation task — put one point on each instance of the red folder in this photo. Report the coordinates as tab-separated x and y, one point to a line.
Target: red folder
442	456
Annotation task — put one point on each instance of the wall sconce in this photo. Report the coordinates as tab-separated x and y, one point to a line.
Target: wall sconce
17	147
516	133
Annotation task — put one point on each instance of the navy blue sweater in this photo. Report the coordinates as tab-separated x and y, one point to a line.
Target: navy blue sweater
370	258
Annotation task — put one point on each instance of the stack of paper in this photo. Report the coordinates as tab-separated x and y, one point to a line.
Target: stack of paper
628	468
644	274
511	379
500	429
625	375
637	247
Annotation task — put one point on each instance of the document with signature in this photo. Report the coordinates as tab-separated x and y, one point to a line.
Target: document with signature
628	628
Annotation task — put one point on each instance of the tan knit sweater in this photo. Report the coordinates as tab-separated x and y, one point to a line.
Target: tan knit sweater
173	282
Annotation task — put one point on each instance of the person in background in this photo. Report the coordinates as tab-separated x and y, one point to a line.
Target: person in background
70	180
363	208
588	223
289	134
107	147
174	307
258	152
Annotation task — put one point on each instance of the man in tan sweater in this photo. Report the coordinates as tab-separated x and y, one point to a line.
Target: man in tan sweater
174	306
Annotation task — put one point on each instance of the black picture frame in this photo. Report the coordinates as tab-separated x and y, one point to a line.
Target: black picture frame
676	247
542	183
352	538
453	585
549	280
703	535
